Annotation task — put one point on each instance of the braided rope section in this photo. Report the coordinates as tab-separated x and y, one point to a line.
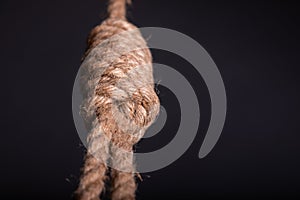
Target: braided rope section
119	104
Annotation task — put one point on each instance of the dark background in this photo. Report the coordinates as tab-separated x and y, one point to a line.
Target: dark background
255	45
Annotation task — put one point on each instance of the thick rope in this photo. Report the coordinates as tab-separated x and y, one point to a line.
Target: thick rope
119	103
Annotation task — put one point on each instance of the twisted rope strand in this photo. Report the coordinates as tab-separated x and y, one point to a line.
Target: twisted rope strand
123	186
92	179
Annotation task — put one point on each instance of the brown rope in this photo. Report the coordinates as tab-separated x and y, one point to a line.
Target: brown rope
123	185
119	103
92	179
117	8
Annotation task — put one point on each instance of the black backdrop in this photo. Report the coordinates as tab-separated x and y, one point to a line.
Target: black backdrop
255	45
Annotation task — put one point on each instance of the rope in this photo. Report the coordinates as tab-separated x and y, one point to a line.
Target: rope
117	8
119	104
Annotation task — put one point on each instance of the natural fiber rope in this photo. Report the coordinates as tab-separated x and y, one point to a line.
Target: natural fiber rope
119	103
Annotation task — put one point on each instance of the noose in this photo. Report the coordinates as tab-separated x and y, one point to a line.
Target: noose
119	104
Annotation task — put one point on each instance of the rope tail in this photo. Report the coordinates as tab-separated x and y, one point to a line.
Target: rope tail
93	175
92	179
123	185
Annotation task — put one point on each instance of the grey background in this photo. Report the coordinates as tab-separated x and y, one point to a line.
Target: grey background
255	44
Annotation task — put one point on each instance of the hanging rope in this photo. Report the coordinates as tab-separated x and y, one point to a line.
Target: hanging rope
119	104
